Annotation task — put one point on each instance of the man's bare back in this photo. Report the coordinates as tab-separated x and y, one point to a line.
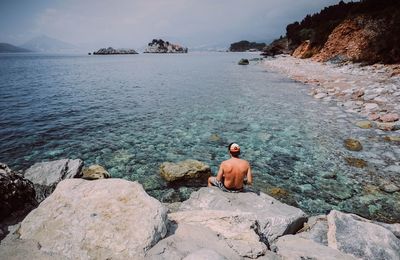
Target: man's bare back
233	172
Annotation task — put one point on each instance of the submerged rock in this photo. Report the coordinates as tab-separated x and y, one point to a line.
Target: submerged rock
95	172
361	238
356	162
46	175
105	219
192	172
352	145
243	62
273	217
364	124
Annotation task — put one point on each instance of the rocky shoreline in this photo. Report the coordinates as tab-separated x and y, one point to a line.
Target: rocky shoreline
371	91
90	216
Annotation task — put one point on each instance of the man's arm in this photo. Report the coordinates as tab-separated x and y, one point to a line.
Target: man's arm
220	174
249	177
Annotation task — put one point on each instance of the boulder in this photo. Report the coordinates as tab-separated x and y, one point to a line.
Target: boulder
104	219
294	247
364	124
17	197
389	126
320	95
243	62
352	144
274	218
361	238
315	229
46	175
371	107
239	230
95	172
391	117
191	172
187	240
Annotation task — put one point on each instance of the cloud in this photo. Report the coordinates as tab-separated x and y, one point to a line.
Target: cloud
128	23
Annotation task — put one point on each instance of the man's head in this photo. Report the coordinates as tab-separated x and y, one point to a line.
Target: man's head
234	149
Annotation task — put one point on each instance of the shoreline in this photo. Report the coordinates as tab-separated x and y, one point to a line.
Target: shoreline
372	91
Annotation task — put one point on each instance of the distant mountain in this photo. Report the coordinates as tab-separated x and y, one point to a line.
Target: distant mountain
44	43
8	48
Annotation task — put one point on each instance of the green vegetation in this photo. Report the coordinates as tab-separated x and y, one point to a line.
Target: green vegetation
246	46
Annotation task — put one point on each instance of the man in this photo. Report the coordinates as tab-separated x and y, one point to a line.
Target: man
233	173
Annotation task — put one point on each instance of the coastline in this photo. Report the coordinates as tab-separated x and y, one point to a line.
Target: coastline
372	91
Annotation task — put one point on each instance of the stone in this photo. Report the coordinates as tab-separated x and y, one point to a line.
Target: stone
393	168
361	238
391	117
364	124
315	229
243	62
371	106
205	254
356	162
394	228
274	218
293	247
103	219
191	172
46	175
373	117
392	138
17	197
320	95
390	126
95	172
352	144
239	230
390	188
188	239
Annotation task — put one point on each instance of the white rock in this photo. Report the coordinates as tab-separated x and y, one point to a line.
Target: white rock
320	95
110	218
371	106
293	248
361	238
274	218
46	175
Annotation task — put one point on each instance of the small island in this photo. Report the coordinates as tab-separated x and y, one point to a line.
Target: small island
246	46
112	51
161	46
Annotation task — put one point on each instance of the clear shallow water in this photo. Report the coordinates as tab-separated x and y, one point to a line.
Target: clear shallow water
131	113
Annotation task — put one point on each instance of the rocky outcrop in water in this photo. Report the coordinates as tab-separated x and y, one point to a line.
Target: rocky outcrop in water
243	62
190	172
95	172
112	51
46	175
276	47
246	46
161	46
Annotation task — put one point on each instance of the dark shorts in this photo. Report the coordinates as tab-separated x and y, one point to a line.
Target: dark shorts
221	186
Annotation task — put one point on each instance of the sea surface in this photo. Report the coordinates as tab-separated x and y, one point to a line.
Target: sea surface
130	113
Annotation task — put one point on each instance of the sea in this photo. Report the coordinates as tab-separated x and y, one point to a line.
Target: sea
131	113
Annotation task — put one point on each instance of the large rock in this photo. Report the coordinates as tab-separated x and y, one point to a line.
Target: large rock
103	219
46	175
294	248
361	238
17	198
352	145
95	172
239	230
274	219
189	171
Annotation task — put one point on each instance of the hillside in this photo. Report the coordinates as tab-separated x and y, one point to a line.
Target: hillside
367	31
246	46
9	48
44	43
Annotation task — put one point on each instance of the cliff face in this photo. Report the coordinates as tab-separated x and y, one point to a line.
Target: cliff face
367	31
356	40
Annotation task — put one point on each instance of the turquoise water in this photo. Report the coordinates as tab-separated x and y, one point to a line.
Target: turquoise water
131	113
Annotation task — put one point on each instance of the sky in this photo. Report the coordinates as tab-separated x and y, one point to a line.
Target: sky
134	23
